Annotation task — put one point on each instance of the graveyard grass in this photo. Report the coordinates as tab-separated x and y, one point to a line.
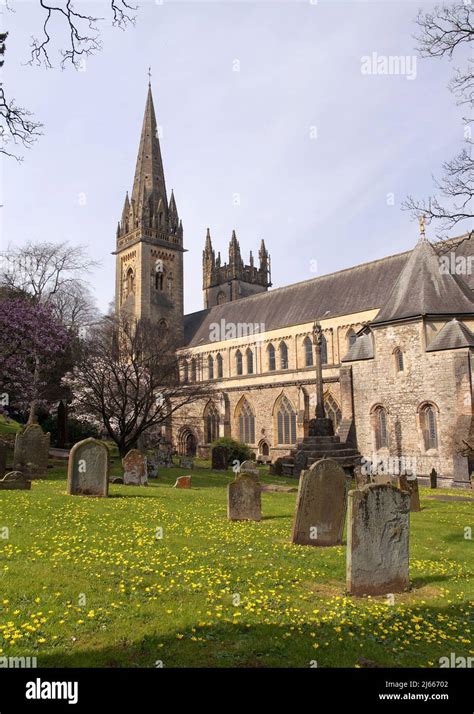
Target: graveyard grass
86	582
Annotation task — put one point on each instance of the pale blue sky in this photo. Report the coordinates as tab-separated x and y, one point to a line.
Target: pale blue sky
227	132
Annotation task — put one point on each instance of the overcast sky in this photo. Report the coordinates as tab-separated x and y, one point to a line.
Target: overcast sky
313	147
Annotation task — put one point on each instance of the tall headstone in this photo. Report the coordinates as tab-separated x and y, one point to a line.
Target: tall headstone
3	459
219	458
244	499
249	468
135	469
15	481
411	486
88	469
152	465
377	540
31	452
320	505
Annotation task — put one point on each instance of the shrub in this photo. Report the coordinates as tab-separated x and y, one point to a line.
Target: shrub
236	450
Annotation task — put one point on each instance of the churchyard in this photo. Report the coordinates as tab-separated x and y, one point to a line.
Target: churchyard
157	576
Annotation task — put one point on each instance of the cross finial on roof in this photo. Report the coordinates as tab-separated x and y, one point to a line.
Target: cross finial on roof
149	76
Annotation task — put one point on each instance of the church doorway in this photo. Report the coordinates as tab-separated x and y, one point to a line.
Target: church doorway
190	445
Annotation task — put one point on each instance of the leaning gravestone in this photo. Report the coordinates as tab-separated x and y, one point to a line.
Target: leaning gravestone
88	469
135	469
15	481
320	505
411	486
377	540
31	452
244	499
3	459
219	458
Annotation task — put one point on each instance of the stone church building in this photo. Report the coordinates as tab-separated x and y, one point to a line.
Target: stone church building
397	352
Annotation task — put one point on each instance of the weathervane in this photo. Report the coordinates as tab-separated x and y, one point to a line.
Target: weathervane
422	224
149	75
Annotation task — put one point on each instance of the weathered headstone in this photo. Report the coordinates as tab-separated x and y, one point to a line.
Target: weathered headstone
185	463
183	482
381	479
320	505
433	479
411	486
377	540
276	468
244	499
219	458
301	462
249	468
3	459
31	452
152	466
88	469
135	468
14	481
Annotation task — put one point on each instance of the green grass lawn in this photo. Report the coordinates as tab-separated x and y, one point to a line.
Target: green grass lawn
86	582
8	427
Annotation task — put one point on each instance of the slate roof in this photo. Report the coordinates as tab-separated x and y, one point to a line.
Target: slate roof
422	288
362	348
453	335
363	287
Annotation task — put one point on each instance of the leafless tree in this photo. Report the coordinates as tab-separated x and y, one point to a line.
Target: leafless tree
75	307
443	32
80	39
128	380
45	271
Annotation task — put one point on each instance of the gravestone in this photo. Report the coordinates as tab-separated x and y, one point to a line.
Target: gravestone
381	479
301	462
152	466
433	479
135	468
276	468
411	486
320	505
249	468
219	458
88	469
15	481
185	463
31	452
183	482
377	540
244	499
3	459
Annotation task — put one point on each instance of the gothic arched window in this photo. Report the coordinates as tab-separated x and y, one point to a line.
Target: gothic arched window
271	358
238	362
429	427
162	329
380	426
211	422
170	283
130	282
249	355
286	422
398	354
158	281
246	423
220	371
324	350
308	351
210	367
283	356
333	410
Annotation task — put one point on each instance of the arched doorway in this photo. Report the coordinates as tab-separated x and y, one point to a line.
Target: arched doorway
190	445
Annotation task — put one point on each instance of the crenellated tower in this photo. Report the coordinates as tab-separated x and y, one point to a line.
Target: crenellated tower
149	251
233	280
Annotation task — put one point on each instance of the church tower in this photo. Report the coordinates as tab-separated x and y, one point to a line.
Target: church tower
149	251
233	280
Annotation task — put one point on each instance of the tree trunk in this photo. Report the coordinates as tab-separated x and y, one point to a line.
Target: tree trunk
33	416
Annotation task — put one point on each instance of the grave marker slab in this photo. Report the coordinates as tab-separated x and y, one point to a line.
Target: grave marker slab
186	463
244	499
31	452
135	468
219	458
411	485
377	540
183	482
15	481
320	505
88	469
249	468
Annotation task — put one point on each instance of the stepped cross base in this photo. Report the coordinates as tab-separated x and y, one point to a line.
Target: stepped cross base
321	426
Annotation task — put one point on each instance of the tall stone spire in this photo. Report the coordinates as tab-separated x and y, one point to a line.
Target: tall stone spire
149	176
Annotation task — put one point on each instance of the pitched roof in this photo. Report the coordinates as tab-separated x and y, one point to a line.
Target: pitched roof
362	348
423	288
363	287
453	335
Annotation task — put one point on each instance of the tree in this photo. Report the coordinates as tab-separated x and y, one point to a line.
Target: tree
443	32
81	40
128	380
32	342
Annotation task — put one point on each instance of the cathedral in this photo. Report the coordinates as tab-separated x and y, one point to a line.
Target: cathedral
397	346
